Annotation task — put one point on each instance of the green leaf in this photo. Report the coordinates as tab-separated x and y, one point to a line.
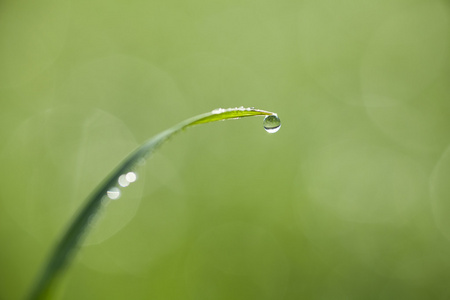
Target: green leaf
66	247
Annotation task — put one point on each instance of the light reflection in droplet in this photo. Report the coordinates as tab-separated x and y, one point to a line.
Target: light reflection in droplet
113	193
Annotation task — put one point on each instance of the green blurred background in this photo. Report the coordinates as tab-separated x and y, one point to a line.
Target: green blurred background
349	200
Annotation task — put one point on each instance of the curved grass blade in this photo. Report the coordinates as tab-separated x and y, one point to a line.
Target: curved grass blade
67	245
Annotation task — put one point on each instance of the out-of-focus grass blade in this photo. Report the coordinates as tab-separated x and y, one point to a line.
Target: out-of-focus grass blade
66	247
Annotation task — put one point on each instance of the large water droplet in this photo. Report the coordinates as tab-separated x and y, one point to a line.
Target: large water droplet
272	123
113	193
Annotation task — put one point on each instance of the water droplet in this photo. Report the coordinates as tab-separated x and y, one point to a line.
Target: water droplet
91	220
113	193
272	123
131	177
123	181
105	201
218	111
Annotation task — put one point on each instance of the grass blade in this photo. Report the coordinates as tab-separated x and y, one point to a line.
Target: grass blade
66	247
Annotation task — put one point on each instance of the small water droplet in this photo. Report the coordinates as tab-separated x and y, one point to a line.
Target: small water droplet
131	177
113	193
272	123
123	181
218	111
105	201
91	220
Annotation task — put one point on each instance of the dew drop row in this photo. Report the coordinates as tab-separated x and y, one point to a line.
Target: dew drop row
124	180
